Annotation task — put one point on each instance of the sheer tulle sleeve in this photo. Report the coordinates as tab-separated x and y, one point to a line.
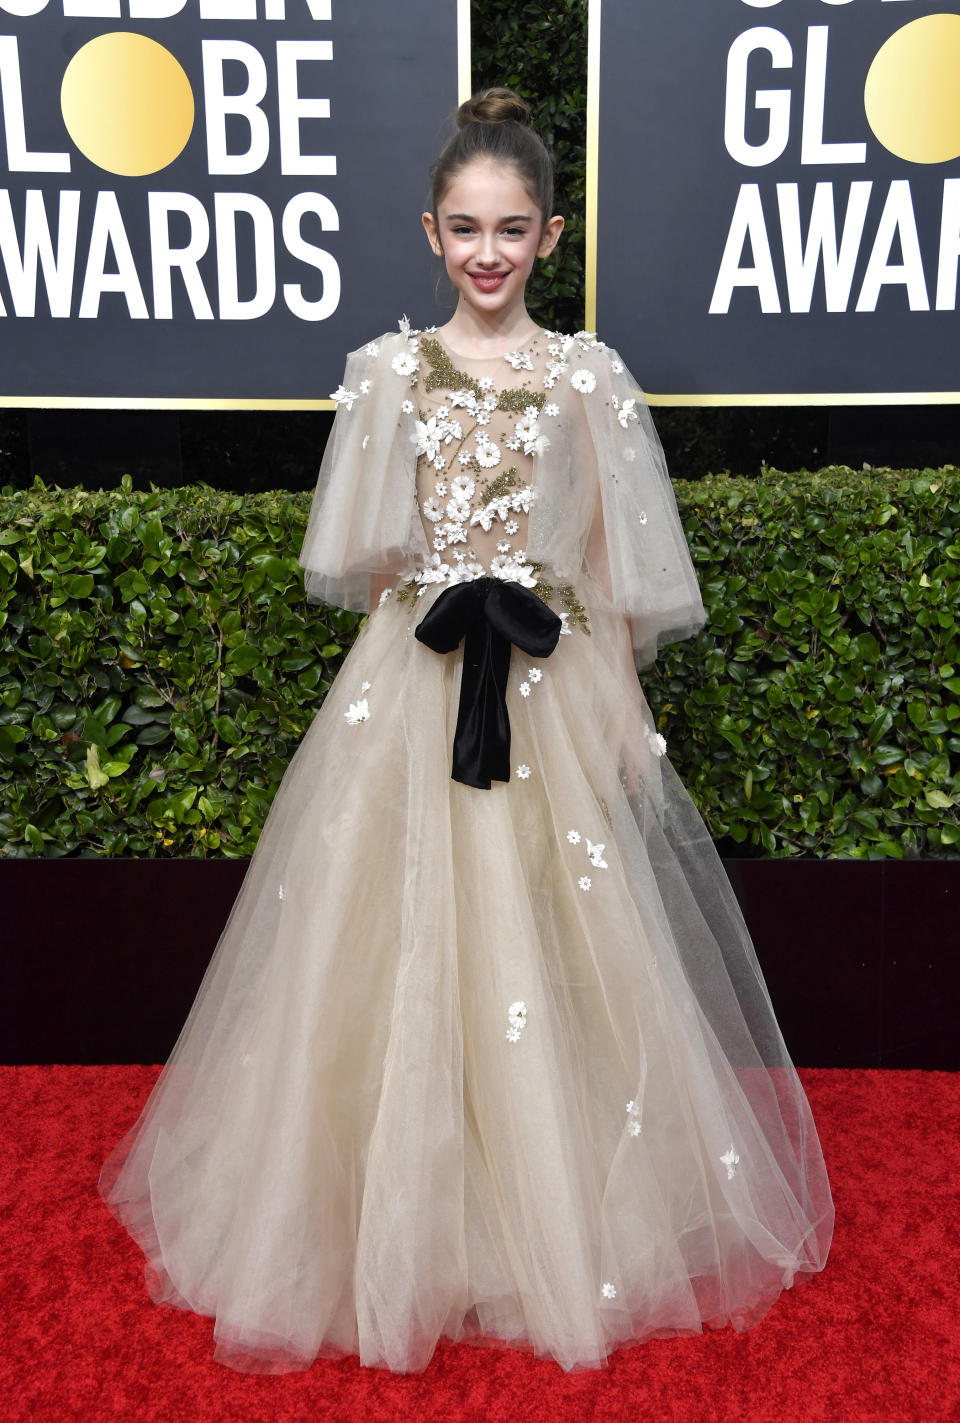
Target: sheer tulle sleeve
364	524
636	548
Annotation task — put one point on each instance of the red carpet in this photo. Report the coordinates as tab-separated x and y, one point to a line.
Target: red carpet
875	1336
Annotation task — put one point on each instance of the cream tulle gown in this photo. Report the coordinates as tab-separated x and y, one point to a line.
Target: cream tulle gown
491	1063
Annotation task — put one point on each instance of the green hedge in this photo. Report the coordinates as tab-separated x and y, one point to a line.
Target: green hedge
159	665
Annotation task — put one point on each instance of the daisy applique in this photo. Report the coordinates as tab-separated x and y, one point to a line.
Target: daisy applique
405	364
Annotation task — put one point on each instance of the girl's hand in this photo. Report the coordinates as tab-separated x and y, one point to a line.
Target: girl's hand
378	582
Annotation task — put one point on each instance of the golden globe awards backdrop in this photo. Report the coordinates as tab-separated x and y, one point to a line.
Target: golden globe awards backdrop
208	202
774	198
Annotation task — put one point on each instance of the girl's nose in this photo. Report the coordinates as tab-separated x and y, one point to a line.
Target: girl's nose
488	251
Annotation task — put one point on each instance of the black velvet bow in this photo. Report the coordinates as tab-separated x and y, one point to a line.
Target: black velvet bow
492	614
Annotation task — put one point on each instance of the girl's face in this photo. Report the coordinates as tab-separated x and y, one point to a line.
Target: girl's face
489	232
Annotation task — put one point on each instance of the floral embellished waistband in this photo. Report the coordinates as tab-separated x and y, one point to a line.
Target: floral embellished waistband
530	575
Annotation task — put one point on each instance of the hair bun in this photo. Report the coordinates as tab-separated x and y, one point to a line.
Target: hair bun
493	106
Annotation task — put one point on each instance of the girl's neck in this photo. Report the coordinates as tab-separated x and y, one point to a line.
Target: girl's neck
473	337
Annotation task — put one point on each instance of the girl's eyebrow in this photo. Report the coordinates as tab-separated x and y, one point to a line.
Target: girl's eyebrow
465	217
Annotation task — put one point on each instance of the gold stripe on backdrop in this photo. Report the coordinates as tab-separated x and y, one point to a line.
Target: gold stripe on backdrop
464	83
593	125
818	397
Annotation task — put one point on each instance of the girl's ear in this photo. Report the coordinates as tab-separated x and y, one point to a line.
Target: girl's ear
433	233
550	236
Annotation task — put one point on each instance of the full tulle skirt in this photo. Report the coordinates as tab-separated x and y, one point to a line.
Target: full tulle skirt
495	1065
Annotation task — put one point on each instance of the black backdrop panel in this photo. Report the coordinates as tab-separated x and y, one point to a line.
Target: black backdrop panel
728	126
329	211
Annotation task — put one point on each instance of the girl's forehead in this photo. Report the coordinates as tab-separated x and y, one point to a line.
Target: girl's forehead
492	184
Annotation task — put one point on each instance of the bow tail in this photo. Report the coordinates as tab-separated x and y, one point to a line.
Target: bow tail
481	745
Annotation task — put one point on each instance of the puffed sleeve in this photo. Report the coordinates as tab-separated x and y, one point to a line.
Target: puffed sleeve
636	549
364	521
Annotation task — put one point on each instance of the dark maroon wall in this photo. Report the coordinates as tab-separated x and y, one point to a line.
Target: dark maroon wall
101	958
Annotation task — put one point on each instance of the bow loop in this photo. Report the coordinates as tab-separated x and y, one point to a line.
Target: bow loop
522	618
491	615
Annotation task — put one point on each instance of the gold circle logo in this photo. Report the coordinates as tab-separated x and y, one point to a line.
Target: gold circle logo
127	103
912	94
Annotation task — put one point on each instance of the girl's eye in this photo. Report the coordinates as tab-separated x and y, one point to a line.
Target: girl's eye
462	231
515	231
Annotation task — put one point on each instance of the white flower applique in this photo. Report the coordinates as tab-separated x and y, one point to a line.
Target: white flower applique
625	412
634	1126
511	570
343	396
517	1018
608	1290
387	593
488	454
523	772
595	855
527	433
584	882
372	348
583	380
534	675
280	894
520	360
405	363
429	435
360	709
407	407
657	741
730	1160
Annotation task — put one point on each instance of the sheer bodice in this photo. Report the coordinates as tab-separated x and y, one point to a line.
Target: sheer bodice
480	425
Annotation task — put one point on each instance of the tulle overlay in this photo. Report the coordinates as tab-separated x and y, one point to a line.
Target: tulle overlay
361	1143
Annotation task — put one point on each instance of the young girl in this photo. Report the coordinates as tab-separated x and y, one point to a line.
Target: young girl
484	1050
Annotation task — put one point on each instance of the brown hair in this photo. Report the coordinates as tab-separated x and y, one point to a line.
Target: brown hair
495	124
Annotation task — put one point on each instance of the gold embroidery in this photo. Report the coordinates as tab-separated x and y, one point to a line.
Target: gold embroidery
566	594
445	375
509	479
